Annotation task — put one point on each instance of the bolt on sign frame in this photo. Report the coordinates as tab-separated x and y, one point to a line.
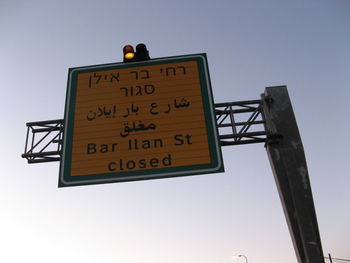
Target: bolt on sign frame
142	120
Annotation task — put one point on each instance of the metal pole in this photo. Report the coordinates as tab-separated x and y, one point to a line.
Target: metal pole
288	162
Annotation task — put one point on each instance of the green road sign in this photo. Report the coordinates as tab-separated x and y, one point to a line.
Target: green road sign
142	120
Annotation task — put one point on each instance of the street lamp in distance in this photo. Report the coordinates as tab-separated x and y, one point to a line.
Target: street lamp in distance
238	256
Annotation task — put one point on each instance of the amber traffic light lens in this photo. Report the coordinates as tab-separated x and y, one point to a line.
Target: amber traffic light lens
129	55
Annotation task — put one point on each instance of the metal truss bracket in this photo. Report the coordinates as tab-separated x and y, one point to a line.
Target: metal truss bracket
43	141
238	123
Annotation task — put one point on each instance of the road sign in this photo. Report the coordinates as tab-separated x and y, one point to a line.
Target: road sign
136	121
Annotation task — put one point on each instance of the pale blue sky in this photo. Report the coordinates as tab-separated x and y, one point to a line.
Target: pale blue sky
250	44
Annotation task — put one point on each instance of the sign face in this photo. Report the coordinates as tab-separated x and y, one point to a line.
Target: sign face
142	120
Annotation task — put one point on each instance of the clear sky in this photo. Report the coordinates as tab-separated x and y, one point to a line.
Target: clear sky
250	44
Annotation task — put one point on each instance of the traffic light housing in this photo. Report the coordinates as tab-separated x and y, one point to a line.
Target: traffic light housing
141	54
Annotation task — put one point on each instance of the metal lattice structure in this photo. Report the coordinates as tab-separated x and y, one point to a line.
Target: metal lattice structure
239	122
43	141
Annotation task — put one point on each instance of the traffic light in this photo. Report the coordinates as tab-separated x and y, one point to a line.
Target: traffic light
129	53
141	53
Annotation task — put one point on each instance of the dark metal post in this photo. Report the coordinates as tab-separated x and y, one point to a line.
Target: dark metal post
330	258
287	159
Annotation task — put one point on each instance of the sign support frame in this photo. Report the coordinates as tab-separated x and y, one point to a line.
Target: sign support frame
284	148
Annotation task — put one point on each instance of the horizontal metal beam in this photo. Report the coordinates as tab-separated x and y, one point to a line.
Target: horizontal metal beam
46	129
245	110
43	123
237	103
44	160
40	154
247	141
239	124
242	135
